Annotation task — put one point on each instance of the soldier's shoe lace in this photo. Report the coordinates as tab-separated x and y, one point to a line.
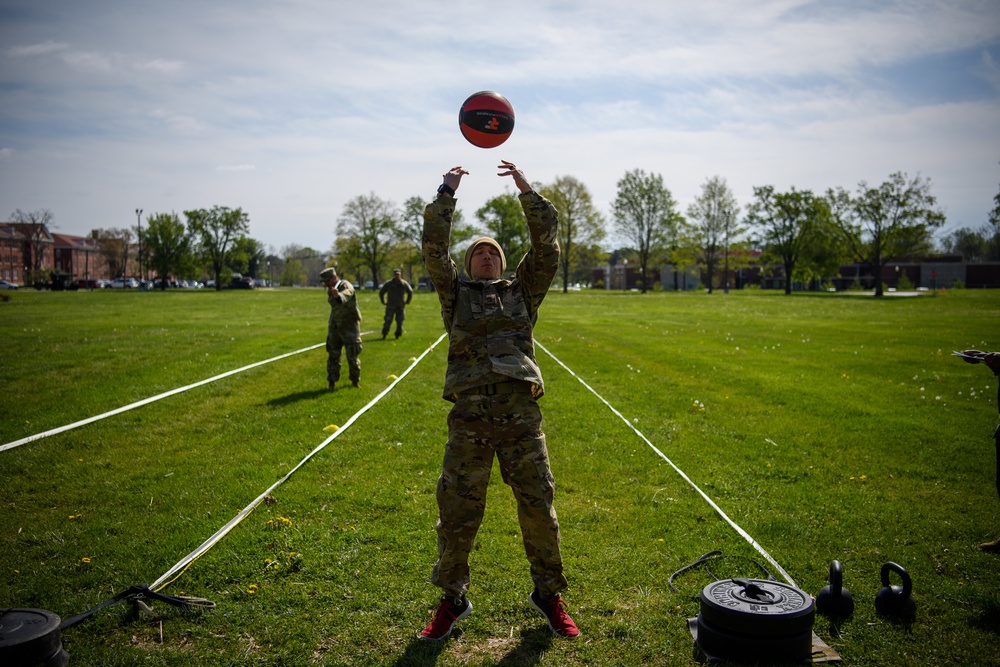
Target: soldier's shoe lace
554	611
447	614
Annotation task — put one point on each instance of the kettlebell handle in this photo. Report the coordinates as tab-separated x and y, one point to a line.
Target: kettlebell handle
903	574
836	578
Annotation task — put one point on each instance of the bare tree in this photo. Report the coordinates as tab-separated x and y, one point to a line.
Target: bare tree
37	229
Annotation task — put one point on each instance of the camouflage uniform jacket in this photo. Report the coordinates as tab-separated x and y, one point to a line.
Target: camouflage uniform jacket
344	311
396	293
489	322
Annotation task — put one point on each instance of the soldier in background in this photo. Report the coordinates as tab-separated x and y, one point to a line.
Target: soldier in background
345	327
494	382
992	361
395	295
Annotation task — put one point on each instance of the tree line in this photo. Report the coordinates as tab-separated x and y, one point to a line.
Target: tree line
807	235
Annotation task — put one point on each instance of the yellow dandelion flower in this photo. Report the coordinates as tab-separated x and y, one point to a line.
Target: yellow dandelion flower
85	559
660	540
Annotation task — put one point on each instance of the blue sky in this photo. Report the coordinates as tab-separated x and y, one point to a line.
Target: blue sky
290	108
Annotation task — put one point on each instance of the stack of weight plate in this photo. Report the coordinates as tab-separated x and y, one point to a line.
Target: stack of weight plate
30	638
753	620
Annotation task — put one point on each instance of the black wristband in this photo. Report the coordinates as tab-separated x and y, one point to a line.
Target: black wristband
446	189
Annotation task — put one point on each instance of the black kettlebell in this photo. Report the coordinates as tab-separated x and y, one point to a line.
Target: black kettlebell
835	601
896	602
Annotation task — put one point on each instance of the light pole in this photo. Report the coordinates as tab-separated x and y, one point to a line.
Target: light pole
270	275
138	218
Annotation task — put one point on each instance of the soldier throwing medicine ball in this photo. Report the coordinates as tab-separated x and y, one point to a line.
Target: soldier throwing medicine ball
345	327
395	295
494	382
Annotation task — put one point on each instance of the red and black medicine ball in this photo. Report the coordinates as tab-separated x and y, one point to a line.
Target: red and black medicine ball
486	119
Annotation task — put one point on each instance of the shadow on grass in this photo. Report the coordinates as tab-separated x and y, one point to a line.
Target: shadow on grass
297	396
988	619
421	653
528	652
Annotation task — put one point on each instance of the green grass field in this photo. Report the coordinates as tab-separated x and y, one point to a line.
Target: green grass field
826	426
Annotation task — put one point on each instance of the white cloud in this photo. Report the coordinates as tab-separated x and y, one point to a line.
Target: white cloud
290	109
33	50
162	66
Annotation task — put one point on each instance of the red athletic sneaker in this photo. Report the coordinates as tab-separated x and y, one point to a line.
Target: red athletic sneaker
554	611
446	616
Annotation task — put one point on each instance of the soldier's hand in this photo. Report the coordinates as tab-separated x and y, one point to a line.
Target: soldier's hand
453	177
991	359
520	180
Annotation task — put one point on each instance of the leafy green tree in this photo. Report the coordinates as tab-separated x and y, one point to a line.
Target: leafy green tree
169	246
307	260
645	215
785	223
713	220
247	256
971	244
411	232
585	259
580	224
372	223
887	222
216	230
292	273
503	217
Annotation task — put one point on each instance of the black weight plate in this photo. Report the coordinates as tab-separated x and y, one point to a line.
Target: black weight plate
778	610
741	648
29	637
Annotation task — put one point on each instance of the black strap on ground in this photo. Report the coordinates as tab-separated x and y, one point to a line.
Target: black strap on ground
705	559
135	594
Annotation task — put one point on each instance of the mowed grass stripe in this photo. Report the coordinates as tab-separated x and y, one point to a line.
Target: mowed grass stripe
362	513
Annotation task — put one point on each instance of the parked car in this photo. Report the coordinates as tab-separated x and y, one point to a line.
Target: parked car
84	283
6	284
242	282
120	283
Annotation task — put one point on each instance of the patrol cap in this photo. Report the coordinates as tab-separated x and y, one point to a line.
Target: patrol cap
478	242
327	273
395	271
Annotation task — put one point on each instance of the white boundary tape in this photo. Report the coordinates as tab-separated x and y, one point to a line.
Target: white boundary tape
179	568
151	399
680	472
146	401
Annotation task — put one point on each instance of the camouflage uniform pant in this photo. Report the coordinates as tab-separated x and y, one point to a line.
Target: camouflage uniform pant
351	342
398	312
509	426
